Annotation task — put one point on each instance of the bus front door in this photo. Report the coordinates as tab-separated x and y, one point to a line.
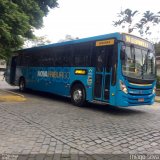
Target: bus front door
102	73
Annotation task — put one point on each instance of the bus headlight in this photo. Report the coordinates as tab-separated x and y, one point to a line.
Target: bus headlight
154	90
123	87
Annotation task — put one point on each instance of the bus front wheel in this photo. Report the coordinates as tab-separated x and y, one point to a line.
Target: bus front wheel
78	95
22	85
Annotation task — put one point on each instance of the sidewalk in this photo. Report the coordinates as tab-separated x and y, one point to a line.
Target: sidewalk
5	85
8	96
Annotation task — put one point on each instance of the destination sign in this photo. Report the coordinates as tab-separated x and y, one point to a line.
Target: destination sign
136	41
105	42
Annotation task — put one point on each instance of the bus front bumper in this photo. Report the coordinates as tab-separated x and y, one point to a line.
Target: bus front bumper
126	100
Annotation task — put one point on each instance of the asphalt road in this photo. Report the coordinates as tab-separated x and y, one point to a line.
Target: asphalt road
50	127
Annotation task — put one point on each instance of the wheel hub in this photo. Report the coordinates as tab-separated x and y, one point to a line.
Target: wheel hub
77	95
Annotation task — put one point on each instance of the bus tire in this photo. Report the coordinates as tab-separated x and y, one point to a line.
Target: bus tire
78	95
22	87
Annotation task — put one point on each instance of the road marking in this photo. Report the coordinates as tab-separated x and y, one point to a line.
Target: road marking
12	92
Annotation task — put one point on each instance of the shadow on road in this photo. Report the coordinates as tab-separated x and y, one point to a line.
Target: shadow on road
89	106
114	110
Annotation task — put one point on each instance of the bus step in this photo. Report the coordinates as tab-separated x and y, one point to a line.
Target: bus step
99	102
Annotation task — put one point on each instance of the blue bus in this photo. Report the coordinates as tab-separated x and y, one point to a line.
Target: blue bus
116	69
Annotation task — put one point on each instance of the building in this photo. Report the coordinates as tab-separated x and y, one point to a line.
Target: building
2	64
2	68
158	65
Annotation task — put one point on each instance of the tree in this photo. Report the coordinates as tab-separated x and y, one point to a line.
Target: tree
126	19
18	19
143	25
37	41
68	38
148	20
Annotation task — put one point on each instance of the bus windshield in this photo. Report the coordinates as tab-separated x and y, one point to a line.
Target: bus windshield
138	63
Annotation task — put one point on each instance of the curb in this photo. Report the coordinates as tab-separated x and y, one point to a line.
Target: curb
12	97
12	93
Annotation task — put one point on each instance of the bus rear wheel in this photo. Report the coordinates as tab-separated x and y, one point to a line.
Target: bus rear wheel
22	85
78	95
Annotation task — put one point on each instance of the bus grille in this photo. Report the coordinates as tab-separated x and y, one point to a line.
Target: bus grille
139	96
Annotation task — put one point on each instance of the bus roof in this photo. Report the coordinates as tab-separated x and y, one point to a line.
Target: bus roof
117	35
111	35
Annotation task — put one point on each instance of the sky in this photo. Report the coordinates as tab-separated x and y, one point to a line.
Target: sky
86	18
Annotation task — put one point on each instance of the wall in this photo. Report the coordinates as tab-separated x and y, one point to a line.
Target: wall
158	65
2	68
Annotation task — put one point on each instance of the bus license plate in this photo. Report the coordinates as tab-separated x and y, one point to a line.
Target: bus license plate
141	100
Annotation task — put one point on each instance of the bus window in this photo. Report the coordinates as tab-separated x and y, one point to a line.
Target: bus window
103	58
100	59
82	55
13	69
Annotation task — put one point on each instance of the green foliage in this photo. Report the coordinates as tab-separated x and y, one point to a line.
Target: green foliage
37	41
143	26
18	18
158	82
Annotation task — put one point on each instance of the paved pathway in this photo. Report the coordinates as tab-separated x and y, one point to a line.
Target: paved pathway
50	127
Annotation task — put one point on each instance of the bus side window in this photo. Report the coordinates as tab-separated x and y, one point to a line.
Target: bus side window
67	56
82	55
58	56
18	60
46	57
34	60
